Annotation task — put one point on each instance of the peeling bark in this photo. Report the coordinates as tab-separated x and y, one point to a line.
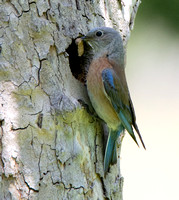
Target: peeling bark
50	146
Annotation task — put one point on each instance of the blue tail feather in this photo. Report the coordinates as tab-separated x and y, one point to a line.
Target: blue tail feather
110	153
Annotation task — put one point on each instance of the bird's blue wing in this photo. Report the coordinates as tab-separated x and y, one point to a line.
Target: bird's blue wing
118	94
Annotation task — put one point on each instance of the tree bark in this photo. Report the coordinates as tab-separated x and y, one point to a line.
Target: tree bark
50	146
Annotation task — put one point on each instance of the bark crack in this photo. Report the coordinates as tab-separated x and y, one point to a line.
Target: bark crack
30	188
41	61
41	149
77	5
71	187
19	128
1	144
39	120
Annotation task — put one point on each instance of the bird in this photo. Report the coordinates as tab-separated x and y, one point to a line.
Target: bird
108	90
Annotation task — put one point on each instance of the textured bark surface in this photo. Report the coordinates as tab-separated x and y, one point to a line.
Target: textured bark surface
50	146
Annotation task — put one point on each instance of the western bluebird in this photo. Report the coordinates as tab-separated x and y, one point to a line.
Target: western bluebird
107	88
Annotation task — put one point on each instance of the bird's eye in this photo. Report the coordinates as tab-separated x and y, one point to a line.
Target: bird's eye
99	33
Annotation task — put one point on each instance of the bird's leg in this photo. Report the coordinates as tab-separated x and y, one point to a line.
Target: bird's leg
88	108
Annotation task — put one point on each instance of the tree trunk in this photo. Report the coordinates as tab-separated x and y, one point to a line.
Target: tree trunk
50	146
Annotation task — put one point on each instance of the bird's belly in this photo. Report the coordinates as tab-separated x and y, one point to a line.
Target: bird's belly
105	110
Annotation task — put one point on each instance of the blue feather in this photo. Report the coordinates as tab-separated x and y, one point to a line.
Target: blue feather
127	125
110	153
107	76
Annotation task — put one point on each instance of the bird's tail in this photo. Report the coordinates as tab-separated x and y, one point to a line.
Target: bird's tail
110	152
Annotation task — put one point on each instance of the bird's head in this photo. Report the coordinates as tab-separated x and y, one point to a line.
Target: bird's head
105	40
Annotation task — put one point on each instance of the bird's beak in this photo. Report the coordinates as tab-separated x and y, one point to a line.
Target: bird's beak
87	40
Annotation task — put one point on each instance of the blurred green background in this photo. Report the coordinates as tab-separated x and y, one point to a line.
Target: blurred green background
153	77
150	10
